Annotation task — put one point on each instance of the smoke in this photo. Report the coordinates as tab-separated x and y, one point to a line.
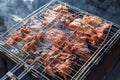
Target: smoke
13	11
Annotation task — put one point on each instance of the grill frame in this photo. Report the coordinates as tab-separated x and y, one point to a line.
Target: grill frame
86	67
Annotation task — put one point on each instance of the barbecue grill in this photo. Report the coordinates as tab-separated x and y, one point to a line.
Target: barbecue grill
26	61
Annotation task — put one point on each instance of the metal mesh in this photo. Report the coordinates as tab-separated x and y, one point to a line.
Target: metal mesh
36	66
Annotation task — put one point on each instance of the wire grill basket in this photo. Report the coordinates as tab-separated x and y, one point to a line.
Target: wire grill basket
33	63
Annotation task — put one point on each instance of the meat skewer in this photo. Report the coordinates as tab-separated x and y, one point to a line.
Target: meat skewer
74	24
78	48
81	50
97	38
56	56
17	37
89	28
92	20
67	18
36	26
57	37
51	16
60	7
32	42
60	13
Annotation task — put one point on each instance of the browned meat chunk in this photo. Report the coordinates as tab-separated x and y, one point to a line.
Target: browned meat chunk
57	37
97	38
81	50
105	25
100	36
102	27
92	20
32	42
30	36
64	69
78	48
60	7
60	13
58	62
89	28
90	32
66	18
30	47
36	36
17	37
40	24
81	30
51	16
75	24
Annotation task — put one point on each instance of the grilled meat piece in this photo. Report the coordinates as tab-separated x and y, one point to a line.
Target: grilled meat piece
11	41
40	24
47	58
78	48
59	62
32	42
79	24
81	50
105	25
90	28
92	20
57	37
80	30
40	35
60	7
30	47
60	13
67	46
83	35
90	32
51	71
102	27
97	38
63	16
55	54
66	18
36	36
29	37
63	69
83	38
51	16
17	37
74	24
68	63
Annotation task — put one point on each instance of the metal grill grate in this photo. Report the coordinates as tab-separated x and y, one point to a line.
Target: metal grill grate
36	66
